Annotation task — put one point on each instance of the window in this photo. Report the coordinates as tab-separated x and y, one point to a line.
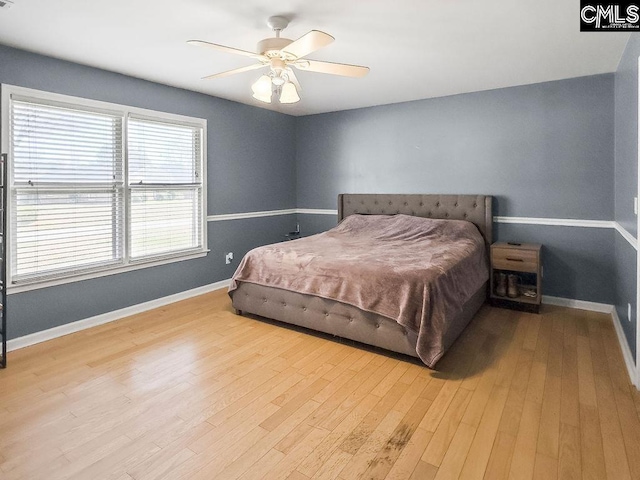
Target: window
164	188
98	187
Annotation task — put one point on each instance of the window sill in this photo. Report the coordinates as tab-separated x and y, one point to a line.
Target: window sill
111	271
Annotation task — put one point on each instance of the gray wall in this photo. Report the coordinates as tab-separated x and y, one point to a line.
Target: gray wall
626	285
543	150
311	224
626	183
251	166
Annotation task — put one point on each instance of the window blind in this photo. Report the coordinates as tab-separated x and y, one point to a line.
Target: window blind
67	190
165	188
97	187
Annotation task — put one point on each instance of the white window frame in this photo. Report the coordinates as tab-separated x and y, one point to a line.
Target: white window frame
20	93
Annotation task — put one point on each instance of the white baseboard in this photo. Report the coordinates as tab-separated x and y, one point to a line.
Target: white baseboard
626	351
579	304
73	327
602	308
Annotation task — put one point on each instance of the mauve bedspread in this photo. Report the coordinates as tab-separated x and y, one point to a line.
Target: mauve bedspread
416	271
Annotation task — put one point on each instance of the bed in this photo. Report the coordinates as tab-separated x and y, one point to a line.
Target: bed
345	319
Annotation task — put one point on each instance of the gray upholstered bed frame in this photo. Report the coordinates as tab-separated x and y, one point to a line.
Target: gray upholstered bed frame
350	322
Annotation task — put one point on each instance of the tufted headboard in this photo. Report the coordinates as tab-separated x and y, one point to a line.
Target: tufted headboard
473	208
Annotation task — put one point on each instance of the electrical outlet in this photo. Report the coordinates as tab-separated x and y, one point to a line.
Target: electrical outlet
629	311
228	257
635	205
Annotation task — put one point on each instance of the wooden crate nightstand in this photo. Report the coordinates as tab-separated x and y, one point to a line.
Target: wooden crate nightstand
522	260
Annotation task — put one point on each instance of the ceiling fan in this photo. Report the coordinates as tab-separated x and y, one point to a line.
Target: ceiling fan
279	55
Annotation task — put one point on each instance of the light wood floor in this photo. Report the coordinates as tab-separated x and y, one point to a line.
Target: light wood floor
192	391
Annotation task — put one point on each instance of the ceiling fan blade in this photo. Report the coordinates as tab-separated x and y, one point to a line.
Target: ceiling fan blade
332	68
234	71
223	48
293	79
308	43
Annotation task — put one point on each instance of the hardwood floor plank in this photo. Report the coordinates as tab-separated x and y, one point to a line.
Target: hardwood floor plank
537	378
569	461
500	459
636	399
370	422
373	444
211	461
593	465
545	468
586	384
433	388
456	455
384	460
168	458
424	471
439	444
334	465
292	439
408	459
268	461
287	466
312	462
482	393
36	469
165	467
480	450
249	456
25	465
509	361
510	421
440	405
387	383
341	402
582	328
119	461
341	382
531	338
554	362
481	361
569	401
407	400
290	407
524	453
544	338
549	432
295	475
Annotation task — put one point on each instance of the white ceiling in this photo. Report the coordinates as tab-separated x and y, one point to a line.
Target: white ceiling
415	48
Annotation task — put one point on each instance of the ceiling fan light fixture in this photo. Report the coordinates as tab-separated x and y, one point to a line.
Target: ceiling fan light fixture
262	86
262	89
266	98
289	93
